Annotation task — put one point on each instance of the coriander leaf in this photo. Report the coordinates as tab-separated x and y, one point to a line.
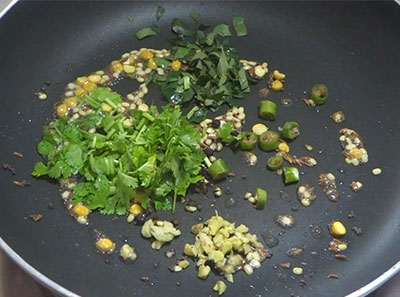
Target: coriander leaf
39	169
222	66
199	115
148	171
225	132
180	28
160	12
60	168
44	148
222	30
127	180
103	94
181	52
161	62
240	26
146	32
73	155
165	204
72	134
195	16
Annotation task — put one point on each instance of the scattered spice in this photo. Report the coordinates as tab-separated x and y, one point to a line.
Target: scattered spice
285	265
304	160
22	183
8	167
356	186
333	275
309	102
338	117
337	245
353	147
36	217
376	171
341	257
308	147
306	194
327	181
357	231
18	154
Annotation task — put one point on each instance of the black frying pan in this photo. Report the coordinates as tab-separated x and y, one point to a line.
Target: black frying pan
352	47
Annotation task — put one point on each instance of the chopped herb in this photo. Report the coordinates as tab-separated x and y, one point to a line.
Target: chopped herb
195	16
160	12
240	26
180	28
160	155
146	32
222	30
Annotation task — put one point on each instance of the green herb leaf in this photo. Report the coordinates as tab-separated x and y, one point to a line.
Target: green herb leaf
160	12
240	26
180	28
222	30
39	169
195	16
44	148
146	32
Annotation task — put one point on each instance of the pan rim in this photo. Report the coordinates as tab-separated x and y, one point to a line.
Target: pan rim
55	287
52	285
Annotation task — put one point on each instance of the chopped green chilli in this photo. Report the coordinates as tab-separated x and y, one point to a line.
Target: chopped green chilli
291	175
275	162
248	141
218	170
291	130
261	198
269	141
319	94
267	110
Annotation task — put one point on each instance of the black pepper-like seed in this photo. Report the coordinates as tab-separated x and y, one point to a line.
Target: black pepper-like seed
50	206
295	208
303	283
140	219
235	133
47	83
216	123
43	88
175	222
209	152
107	261
244	176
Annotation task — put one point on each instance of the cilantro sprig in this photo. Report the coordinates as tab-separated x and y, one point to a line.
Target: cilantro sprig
159	155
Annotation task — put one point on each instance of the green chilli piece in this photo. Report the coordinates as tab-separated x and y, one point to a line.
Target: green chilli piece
248	141
319	94
275	162
291	130
267	110
269	141
291	175
218	170
261	197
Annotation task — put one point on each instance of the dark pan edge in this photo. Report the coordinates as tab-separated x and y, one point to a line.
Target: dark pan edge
47	282
44	280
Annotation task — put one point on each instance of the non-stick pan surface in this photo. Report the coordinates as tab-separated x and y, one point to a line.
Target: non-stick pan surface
352	47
